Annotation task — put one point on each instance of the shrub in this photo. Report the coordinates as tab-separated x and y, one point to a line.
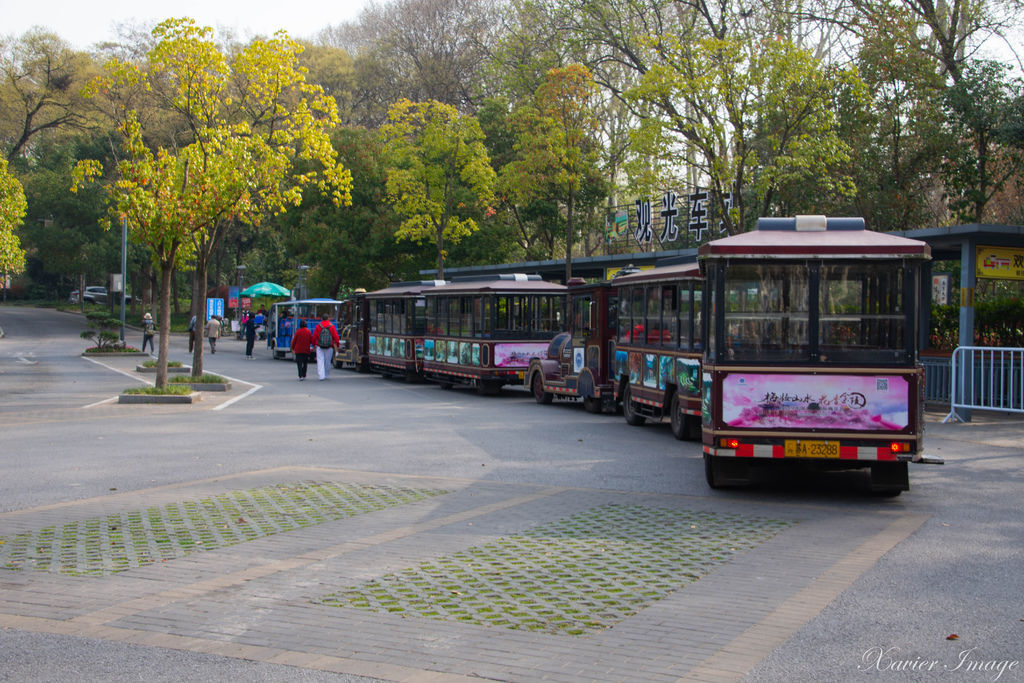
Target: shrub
206	378
996	323
160	391
102	332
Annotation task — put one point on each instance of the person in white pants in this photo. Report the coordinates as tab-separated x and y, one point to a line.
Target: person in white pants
326	340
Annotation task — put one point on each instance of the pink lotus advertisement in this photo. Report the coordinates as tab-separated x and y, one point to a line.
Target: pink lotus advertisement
518	355
854	402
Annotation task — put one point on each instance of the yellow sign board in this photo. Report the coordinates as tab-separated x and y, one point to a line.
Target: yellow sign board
1000	263
609	273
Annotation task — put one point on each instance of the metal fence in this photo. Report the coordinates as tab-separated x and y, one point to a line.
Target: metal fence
986	378
936	378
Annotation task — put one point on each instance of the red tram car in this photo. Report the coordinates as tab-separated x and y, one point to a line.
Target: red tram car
398	320
812	350
659	346
580	363
483	331
353	328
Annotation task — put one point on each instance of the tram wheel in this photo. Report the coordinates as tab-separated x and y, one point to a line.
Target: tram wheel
629	411
680	425
489	388
709	472
537	385
592	404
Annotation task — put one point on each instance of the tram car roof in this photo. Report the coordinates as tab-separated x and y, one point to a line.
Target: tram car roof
292	302
510	282
815	236
676	271
403	288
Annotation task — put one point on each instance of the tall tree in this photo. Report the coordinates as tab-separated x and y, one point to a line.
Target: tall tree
438	173
40	89
12	211
418	49
556	146
754	116
979	106
254	133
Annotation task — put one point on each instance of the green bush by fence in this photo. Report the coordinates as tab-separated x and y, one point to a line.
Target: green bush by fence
996	323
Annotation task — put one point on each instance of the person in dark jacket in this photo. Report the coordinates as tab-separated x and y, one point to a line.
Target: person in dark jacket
250	335
302	346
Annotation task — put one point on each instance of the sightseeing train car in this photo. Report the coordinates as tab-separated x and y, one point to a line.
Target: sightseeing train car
812	350
659	345
579	362
354	331
483	331
285	316
398	320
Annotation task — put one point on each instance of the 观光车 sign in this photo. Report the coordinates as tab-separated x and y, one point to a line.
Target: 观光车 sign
1001	263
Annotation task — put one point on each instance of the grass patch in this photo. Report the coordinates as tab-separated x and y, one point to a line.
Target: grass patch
160	391
205	378
135	538
152	363
574	576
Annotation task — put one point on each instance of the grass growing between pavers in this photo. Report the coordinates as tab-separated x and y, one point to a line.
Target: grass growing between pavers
573	576
106	545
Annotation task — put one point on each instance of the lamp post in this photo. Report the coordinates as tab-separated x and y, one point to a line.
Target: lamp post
300	288
238	303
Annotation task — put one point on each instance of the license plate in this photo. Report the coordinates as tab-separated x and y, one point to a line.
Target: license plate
800	448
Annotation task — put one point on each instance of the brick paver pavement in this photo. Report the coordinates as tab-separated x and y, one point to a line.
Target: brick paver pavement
263	599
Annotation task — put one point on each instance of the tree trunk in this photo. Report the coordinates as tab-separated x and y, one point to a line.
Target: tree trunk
440	253
199	310
166	271
569	234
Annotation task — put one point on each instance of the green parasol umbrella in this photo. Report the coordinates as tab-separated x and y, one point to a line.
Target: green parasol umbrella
266	289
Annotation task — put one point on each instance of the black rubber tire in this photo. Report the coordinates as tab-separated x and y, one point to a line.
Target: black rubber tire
537	388
632	417
709	471
593	405
680	425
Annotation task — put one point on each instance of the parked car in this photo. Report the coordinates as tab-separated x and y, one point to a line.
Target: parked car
95	295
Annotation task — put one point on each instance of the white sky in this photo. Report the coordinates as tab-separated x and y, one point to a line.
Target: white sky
86	22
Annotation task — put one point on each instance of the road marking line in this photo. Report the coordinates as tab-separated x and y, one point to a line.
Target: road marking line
236	399
120	372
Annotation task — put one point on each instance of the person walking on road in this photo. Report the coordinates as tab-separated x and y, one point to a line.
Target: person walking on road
191	334
325	336
302	347
148	332
250	335
212	332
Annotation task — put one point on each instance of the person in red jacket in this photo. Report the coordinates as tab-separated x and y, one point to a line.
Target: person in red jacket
325	341
302	347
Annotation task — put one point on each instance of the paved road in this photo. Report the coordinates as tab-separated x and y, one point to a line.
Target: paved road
817	580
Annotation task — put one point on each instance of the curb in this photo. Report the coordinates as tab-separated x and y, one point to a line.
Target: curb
116	354
142	368
157	398
209	386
